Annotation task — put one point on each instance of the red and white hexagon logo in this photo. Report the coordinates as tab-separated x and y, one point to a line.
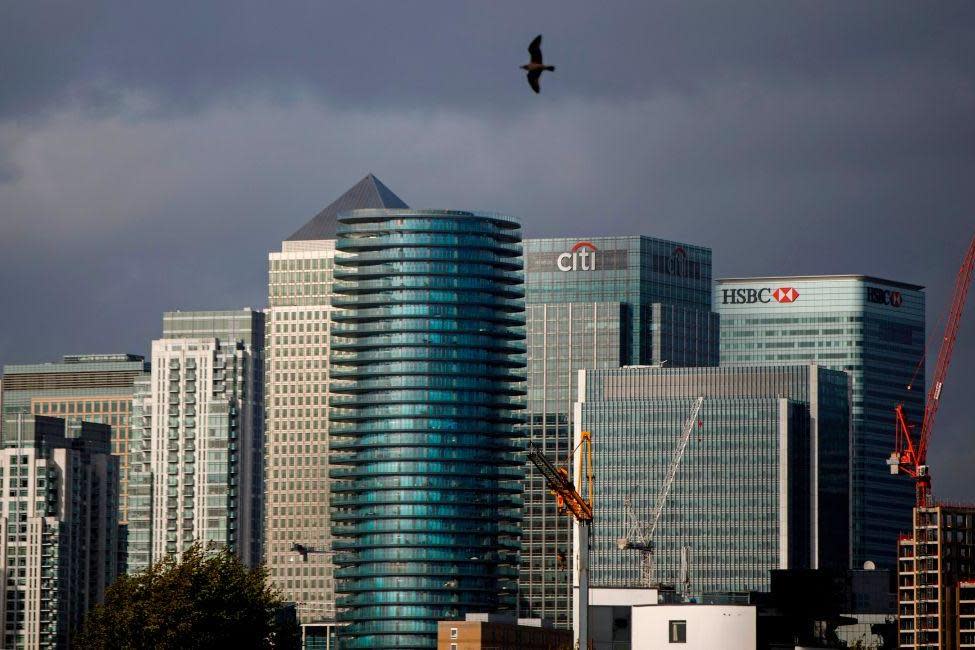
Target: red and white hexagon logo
785	294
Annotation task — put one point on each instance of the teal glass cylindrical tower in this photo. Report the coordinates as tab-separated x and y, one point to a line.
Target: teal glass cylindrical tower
427	375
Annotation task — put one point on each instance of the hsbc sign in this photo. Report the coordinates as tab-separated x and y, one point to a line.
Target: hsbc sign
749	296
884	296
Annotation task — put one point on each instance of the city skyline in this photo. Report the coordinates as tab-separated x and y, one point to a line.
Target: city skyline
800	141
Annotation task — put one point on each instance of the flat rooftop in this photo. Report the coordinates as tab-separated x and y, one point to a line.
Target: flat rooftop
866	278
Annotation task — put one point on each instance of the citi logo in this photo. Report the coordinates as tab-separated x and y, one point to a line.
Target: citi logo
582	257
764	295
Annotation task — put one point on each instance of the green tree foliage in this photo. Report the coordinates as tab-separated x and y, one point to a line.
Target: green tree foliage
203	599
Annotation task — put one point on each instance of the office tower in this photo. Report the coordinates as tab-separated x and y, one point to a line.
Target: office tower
600	302
90	387
197	461
428	361
296	450
933	563
59	531
872	329
763	483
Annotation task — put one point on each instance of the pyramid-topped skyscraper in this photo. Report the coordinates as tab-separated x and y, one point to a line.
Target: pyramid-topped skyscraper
367	193
298	329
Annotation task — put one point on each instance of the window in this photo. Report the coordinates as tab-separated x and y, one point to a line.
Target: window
678	632
453	646
453	633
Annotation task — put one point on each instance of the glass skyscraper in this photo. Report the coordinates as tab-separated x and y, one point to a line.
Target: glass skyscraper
872	329
600	302
763	483
427	379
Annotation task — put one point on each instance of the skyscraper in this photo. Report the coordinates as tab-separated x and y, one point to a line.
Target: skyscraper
197	459
91	387
59	527
872	329
763	483
428	369
297	444
600	302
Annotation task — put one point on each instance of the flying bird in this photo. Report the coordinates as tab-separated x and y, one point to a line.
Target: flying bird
536	67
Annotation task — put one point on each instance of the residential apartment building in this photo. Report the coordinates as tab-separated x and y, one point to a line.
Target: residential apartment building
934	562
59	529
428	381
869	327
197	440
299	327
90	387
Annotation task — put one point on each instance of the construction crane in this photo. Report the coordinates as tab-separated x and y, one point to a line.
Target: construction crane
570	502
910	455
639	537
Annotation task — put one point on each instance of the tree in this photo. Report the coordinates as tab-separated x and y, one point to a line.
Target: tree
203	599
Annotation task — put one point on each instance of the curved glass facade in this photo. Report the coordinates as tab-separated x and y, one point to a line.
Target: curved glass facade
428	362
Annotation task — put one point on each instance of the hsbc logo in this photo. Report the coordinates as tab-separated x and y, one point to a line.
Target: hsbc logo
884	296
750	296
582	257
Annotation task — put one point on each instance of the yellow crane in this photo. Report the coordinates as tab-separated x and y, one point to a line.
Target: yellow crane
570	502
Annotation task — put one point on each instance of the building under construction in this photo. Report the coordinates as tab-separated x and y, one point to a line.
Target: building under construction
935	562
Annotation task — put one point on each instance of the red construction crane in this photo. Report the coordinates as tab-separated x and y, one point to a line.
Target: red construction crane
911	451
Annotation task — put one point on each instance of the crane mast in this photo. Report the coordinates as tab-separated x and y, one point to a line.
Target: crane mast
570	502
640	538
910	455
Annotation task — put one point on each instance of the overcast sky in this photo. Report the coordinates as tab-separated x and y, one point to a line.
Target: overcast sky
151	154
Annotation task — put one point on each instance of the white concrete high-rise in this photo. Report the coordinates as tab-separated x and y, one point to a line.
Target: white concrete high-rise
59	527
197	461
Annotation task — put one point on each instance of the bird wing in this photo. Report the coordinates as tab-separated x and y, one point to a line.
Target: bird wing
533	78
535	49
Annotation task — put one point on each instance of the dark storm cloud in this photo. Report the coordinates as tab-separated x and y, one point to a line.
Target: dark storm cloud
152	153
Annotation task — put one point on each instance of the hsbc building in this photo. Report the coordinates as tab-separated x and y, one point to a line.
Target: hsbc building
874	330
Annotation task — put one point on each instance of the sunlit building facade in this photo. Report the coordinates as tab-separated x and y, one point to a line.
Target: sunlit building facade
197	458
60	544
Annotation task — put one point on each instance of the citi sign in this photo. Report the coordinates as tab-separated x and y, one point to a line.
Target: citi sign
582	257
752	296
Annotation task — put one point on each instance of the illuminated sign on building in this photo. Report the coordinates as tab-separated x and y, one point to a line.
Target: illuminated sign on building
583	256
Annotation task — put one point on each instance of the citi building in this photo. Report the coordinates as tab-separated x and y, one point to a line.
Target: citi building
597	303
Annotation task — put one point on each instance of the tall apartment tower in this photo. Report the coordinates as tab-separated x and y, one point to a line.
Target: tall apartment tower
593	303
934	563
197	448
90	387
872	329
297	375
428	367
59	527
